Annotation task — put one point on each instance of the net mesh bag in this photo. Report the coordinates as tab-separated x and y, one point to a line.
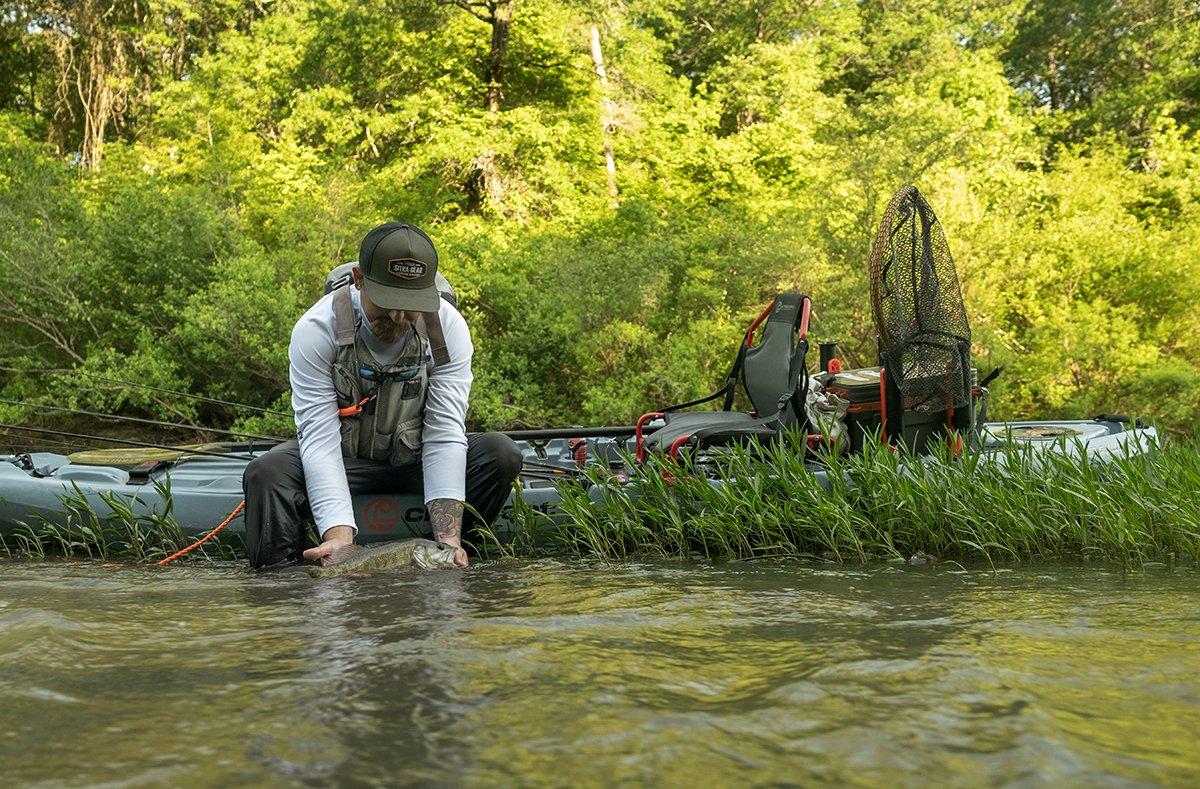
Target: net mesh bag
924	339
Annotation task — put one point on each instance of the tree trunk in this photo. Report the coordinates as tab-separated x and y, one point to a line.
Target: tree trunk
96	98
100	70
607	122
485	185
501	21
1052	80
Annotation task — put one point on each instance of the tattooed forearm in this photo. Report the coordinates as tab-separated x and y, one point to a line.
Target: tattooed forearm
445	515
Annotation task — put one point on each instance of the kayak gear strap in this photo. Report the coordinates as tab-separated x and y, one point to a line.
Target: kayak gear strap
735	370
771	364
777	360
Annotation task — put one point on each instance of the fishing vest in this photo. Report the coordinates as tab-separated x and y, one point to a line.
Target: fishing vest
382	406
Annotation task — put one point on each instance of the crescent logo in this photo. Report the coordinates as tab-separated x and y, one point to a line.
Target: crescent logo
381	514
406	268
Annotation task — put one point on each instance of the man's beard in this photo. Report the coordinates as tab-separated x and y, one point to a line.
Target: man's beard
387	330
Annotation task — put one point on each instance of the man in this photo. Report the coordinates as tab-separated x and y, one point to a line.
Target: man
380	372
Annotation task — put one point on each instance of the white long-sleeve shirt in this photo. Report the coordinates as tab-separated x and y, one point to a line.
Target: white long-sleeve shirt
312	352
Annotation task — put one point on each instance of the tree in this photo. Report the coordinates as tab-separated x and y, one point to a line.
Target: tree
498	15
1120	65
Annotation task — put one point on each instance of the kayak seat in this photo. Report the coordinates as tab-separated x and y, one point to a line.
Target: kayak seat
772	373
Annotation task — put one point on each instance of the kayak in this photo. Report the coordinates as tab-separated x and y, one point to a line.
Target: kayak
205	488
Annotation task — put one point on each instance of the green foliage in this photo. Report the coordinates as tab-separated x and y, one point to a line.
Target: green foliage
595	336
1116	66
250	146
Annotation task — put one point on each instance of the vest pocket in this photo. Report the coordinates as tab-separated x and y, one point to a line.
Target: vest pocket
381	446
406	444
347	391
350	432
344	386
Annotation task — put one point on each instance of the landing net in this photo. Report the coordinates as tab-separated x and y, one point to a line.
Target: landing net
924	339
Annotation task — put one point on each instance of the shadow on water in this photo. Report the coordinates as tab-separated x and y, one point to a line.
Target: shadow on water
548	671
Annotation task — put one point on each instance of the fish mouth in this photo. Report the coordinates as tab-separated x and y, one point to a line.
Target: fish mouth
435	558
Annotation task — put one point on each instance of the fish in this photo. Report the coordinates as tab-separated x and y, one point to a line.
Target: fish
358	559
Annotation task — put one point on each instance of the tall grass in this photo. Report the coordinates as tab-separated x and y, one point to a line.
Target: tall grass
1027	503
121	533
526	532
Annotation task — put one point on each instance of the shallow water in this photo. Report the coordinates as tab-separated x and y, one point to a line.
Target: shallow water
554	672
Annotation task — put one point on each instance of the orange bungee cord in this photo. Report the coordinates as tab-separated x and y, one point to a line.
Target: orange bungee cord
236	511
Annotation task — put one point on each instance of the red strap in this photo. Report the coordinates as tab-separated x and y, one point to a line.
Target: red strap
883	414
229	519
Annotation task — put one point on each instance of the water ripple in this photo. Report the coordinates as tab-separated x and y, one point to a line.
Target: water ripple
550	672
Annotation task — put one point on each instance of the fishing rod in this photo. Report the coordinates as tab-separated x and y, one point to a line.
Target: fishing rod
612	431
126	441
548	471
28	443
202	398
140	421
544	475
546	465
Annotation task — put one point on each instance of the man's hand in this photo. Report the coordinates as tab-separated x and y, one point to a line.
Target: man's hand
337	545
445	515
460	555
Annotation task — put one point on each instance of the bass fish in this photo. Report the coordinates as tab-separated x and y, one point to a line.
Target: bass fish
357	559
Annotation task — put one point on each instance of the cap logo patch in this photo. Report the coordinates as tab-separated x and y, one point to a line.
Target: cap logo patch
406	268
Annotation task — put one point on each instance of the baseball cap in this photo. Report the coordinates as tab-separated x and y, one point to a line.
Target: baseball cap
399	266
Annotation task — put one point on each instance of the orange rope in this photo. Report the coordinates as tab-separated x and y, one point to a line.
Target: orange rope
236	511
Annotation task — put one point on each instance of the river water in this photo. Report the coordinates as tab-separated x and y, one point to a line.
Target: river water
553	672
